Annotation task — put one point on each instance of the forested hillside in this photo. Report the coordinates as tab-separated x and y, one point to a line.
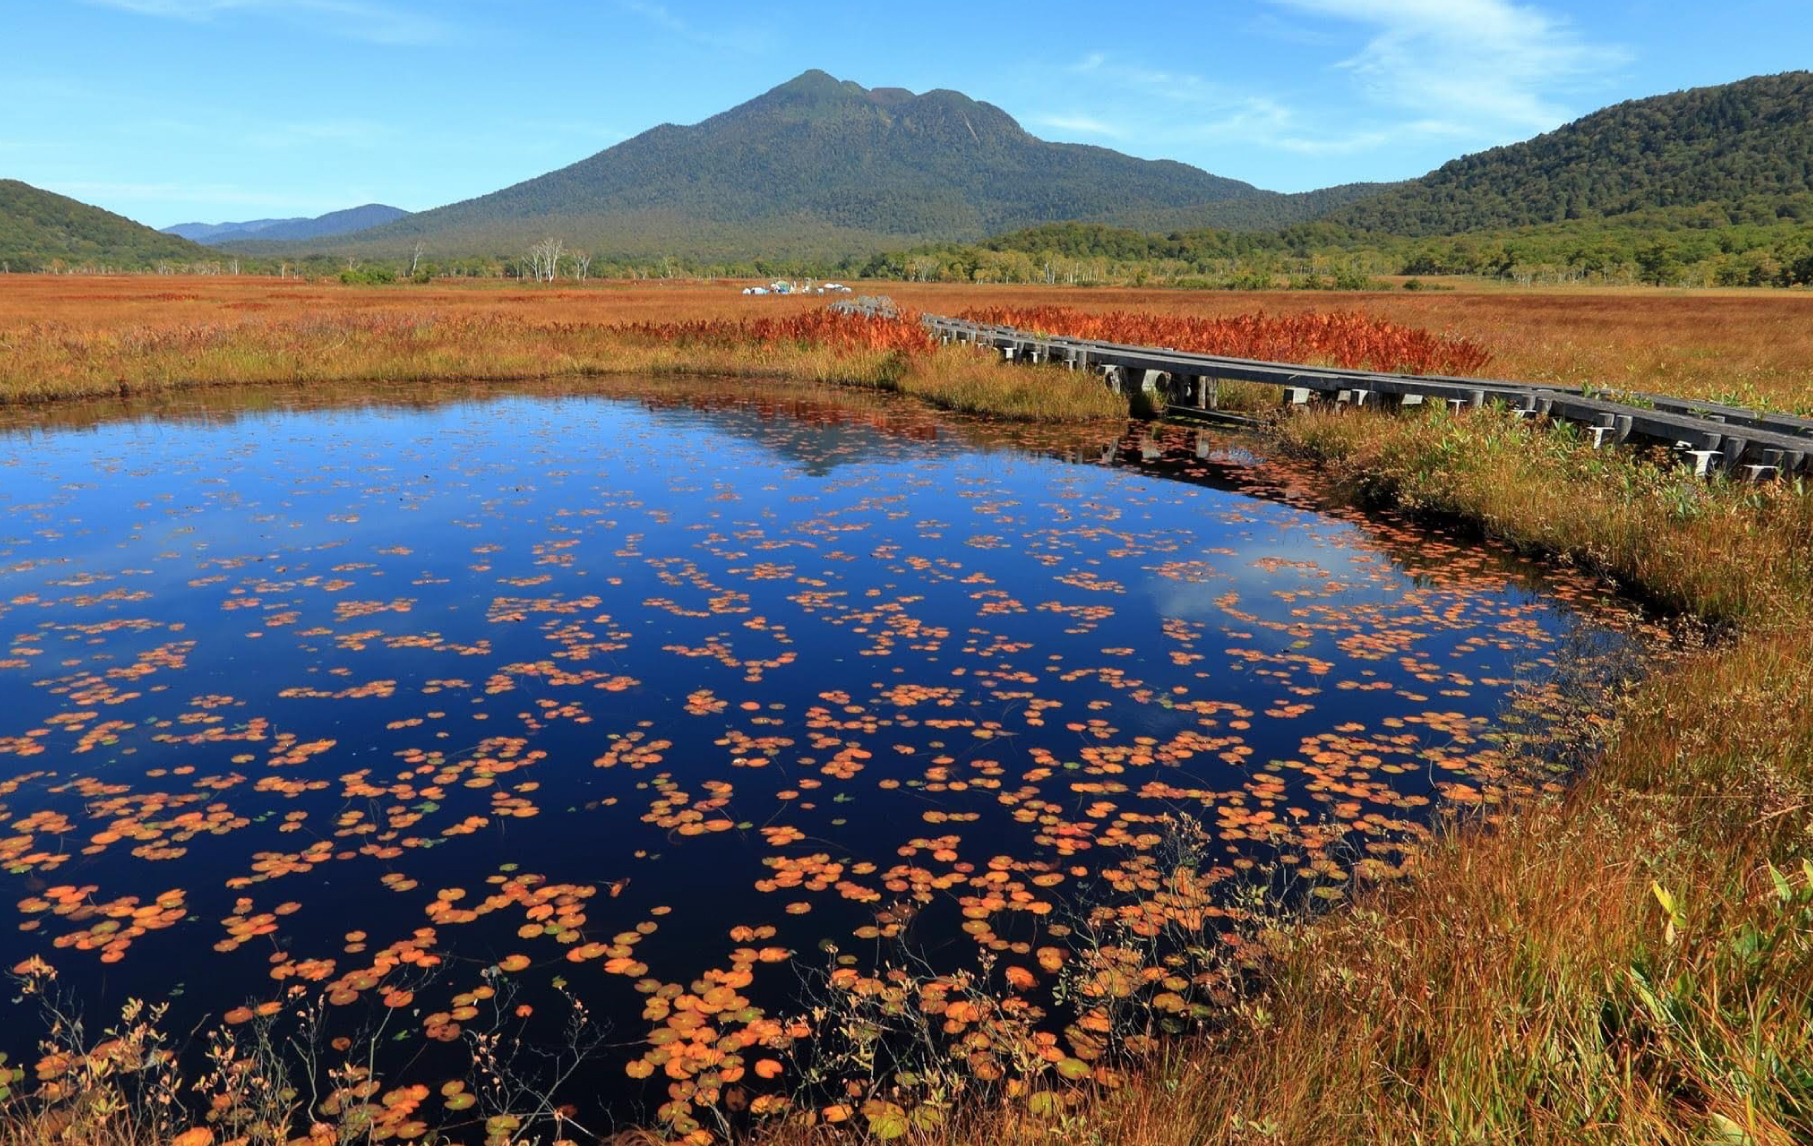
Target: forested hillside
40	228
1748	143
1260	211
1660	247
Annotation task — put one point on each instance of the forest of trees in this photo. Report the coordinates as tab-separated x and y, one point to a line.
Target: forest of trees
1750	141
1657	248
1757	244
43	230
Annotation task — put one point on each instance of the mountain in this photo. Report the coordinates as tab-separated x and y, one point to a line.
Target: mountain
820	166
202	232
38	227
1738	146
287	230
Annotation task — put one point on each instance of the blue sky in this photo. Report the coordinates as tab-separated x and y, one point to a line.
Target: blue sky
177	110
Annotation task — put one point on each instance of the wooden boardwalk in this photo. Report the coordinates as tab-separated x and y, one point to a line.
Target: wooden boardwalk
1713	437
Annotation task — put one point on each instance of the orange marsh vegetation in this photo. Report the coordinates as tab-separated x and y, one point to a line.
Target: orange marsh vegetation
1744	345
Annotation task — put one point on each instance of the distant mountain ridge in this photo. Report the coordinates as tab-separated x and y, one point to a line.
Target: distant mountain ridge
39	228
821	165
289	230
1745	142
202	232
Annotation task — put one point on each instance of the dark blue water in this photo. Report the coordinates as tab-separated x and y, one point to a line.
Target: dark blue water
297	697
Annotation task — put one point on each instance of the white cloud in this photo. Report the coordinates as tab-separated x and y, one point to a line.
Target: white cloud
211	194
1180	87
1338	145
1470	73
657	14
747	40
351	19
1494	66
1371	138
1249	117
1201	111
1078	125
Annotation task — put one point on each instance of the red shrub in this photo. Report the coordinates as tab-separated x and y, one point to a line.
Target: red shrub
1338	338
813	328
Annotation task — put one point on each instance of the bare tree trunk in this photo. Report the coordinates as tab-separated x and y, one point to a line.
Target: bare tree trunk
544	259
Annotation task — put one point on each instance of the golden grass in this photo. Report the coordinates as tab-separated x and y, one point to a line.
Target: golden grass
1723	551
53	361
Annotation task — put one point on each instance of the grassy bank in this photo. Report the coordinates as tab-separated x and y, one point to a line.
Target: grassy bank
1631	961
50	362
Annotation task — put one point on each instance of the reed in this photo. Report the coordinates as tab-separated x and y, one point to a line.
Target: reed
52	361
1725	551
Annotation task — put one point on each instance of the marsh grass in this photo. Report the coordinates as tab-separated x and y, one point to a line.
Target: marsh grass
48	362
1725	551
954	378
1749	347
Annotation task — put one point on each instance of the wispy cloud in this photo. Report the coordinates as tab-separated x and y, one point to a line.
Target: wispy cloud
1202	110
351	19
210	194
1078	125
1180	87
1469	72
1490	65
1286	31
1350	144
658	14
724	39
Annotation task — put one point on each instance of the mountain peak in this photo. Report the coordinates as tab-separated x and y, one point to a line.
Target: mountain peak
815	80
817	97
820	162
812	87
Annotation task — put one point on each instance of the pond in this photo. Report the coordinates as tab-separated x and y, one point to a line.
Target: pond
727	714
